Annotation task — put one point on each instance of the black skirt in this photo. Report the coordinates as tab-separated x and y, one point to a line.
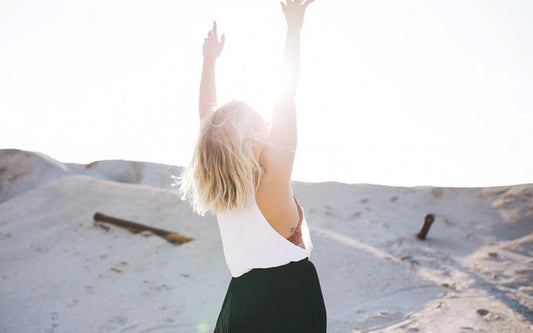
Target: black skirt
278	299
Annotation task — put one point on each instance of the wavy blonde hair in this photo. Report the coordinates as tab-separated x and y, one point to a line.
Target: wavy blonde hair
224	173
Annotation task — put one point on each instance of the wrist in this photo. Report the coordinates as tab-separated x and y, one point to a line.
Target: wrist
293	31
210	61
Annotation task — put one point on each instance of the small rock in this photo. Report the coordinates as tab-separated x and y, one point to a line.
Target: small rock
482	312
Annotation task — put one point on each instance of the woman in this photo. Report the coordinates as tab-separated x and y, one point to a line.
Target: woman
241	172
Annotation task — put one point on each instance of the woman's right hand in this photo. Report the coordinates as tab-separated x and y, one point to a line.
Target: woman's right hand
294	11
212	46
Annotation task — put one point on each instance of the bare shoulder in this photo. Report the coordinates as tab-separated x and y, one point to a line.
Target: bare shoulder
277	163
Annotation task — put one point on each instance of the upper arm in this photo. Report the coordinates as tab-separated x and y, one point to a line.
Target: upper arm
205	111
278	154
203	115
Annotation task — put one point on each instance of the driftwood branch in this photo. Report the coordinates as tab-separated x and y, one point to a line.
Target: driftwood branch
135	227
424	229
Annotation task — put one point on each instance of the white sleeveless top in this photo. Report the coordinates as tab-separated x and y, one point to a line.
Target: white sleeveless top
250	242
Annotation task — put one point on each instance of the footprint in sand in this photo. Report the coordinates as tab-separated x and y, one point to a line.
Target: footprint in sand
356	215
6	235
437	193
122	265
488	315
54	318
378	319
449	223
73	303
527	272
118	320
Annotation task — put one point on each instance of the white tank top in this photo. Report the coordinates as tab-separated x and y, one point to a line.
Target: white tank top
250	242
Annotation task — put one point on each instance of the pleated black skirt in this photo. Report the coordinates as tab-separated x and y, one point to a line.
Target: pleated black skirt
274	300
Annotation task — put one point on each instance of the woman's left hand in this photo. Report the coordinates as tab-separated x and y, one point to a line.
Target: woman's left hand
212	46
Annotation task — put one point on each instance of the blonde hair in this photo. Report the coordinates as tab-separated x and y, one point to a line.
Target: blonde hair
224	173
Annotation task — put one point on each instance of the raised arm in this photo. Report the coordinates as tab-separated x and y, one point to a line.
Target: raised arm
283	133
294	11
211	50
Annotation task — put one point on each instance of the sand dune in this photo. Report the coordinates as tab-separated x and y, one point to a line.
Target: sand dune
64	273
22	170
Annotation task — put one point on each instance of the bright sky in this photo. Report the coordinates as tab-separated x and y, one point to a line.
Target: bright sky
392	92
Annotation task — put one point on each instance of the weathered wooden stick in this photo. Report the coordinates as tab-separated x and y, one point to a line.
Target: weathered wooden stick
170	236
428	220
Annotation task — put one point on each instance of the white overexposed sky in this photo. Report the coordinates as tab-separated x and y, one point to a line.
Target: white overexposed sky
392	92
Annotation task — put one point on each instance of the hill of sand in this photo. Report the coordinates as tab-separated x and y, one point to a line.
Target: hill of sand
62	272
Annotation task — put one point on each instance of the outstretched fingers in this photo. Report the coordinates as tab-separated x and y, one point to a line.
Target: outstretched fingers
213	33
307	3
222	42
292	3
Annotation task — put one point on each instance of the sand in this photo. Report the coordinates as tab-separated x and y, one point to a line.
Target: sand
62	272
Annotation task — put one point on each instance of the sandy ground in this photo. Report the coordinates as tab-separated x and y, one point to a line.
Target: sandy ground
61	272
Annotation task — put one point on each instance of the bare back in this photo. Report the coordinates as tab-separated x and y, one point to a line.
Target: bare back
274	194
